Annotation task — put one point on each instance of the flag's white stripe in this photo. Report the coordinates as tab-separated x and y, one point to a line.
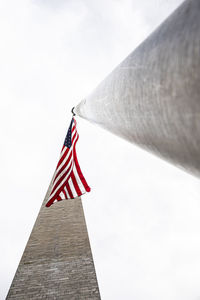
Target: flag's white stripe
79	182
64	170
64	179
62	195
66	191
71	185
63	152
70	166
65	159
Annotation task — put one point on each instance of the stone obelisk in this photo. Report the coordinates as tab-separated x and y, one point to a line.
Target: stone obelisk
57	262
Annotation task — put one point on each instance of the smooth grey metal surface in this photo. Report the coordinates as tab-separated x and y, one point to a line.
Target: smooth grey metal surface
152	98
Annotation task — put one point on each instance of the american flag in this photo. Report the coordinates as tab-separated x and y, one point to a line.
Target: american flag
68	182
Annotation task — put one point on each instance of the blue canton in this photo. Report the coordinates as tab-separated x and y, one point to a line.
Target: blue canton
68	139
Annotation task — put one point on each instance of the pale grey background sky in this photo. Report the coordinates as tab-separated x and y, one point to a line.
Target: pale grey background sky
142	214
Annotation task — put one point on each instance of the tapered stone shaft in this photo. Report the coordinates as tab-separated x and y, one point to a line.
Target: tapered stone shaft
57	262
152	98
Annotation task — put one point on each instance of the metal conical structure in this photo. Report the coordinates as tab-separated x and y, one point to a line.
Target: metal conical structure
152	98
57	262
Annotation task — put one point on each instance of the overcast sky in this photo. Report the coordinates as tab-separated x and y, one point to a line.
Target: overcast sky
142	213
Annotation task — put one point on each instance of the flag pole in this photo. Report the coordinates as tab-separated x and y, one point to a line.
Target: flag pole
152	98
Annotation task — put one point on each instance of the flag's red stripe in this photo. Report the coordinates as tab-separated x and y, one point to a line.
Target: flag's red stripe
61	189
59	198
69	191
65	183
61	179
65	193
64	166
80	174
63	156
78	191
